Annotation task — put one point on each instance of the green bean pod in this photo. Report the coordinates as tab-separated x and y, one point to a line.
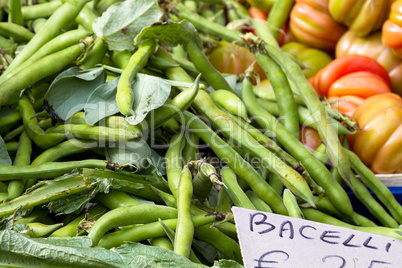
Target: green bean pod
122	216
258	203
291	204
124	95
278	15
120	123
239	198
231	102
96	133
179	104
43	10
204	66
205	25
190	149
314	167
10	122
318	216
37	229
14	13
17	32
288	115
46	170
174	162
59	19
185	227
121	58
72	228
86	17
291	178
69	147
380	190
22	158
34	131
327	133
95	55
48	191
242	168
266	142
225	227
42	68
147	231
224	202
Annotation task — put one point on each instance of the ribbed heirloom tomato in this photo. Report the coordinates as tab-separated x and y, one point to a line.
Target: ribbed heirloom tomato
379	143
311	23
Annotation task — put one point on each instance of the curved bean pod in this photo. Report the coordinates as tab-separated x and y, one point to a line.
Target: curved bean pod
124	95
231	102
122	216
185	227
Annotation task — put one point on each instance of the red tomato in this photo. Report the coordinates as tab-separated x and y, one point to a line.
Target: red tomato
341	66
361	84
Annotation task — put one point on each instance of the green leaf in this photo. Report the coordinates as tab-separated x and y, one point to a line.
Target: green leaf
70	90
4	156
150	92
121	22
139	255
19	250
226	263
170	33
134	152
102	102
159	162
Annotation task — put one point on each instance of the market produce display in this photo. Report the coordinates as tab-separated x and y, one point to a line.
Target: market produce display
129	129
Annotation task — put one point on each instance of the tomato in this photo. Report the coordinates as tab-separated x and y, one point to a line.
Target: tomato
233	59
379	143
347	104
344	65
311	23
361	84
362	17
313	59
258	14
310	138
371	46
392	29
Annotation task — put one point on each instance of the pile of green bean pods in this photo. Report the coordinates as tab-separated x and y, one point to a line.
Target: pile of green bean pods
219	142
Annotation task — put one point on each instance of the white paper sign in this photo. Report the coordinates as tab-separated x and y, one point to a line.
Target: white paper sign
270	240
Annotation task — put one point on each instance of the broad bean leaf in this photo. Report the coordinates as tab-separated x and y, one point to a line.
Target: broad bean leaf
4	156
150	92
18	250
134	152
121	22
170	33
70	90
102	102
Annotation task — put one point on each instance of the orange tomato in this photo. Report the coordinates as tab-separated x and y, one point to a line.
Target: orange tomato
379	143
347	104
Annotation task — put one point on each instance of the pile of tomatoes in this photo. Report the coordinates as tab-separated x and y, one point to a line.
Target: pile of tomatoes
351	52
